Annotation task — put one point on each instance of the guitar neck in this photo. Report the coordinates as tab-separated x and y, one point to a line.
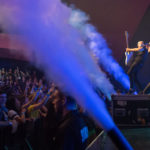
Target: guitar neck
126	37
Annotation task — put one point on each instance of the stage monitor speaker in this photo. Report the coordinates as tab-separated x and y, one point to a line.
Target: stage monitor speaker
131	110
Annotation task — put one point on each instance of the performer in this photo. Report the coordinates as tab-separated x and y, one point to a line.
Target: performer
139	59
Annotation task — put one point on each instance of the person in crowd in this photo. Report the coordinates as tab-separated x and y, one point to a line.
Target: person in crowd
72	131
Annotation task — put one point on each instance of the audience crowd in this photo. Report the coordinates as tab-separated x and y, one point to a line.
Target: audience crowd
35	114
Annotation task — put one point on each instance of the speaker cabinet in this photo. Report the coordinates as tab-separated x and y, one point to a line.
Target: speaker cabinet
131	110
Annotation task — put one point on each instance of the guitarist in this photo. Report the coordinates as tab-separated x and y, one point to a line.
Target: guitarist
139	59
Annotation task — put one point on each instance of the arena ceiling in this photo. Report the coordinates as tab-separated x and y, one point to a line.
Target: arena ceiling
110	17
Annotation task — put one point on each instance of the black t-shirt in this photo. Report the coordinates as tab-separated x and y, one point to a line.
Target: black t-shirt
140	56
72	133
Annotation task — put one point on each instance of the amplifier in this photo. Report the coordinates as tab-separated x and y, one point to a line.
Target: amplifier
131	110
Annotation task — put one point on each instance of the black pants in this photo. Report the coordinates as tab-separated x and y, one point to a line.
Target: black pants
133	72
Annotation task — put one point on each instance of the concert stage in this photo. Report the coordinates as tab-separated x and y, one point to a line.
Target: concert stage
131	113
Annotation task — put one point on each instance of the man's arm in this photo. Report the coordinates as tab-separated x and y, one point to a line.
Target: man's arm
132	49
149	50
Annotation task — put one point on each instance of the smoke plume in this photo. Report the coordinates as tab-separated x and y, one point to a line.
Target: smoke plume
56	47
98	46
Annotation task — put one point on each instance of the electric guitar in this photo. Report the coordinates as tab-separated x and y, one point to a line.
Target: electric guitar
128	55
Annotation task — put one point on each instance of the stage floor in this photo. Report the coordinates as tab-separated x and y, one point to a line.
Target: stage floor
139	138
